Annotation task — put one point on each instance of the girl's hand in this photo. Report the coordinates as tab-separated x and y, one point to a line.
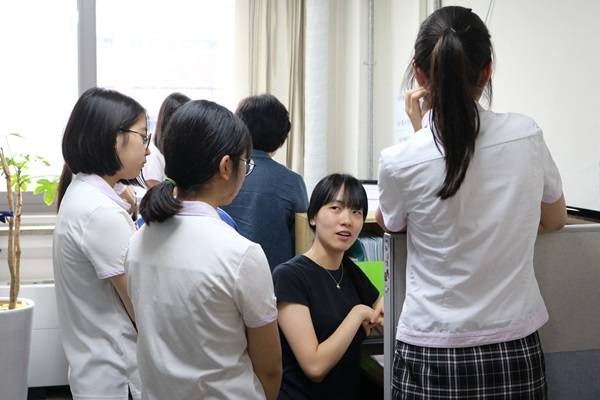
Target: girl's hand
129	196
367	326
416	104
375	320
364	313
377	315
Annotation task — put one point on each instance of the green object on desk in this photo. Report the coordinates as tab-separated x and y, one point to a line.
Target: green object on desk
374	271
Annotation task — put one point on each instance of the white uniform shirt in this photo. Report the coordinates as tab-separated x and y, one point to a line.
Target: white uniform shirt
196	284
469	276
90	242
154	168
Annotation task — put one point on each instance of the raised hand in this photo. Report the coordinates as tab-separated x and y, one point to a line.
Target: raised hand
416	104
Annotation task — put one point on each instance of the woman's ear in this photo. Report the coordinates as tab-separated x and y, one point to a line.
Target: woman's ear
485	75
226	167
420	76
312	222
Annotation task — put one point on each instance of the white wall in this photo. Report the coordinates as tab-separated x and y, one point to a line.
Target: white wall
397	23
36	249
547	61
336	81
547	67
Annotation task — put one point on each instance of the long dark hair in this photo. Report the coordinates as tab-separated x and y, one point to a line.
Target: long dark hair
199	134
452	48
169	105
88	143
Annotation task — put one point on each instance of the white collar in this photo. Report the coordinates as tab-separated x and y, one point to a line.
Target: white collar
103	186
198	208
427	122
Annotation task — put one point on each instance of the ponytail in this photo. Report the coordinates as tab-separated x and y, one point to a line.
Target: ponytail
199	134
159	204
454	109
452	50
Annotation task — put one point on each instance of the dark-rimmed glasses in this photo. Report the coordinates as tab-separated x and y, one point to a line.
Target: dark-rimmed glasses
145	136
249	165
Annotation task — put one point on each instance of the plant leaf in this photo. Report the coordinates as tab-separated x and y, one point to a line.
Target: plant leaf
50	197
49	189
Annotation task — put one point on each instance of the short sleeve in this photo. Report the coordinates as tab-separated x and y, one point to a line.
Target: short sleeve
253	292
105	240
552	181
289	285
391	198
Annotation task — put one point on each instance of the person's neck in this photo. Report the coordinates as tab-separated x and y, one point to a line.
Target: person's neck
325	258
110	179
208	193
214	201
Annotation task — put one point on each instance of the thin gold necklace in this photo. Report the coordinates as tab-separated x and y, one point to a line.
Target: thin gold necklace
337	283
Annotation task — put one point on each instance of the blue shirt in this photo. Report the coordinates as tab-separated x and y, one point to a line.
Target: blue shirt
266	206
227	218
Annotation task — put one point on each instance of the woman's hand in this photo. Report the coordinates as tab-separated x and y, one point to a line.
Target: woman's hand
129	196
364	313
375	318
317	358
377	315
416	104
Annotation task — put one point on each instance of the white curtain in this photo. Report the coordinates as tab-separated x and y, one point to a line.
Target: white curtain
312	55
335	89
271	60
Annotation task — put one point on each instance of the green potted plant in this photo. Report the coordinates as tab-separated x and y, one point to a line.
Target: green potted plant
16	313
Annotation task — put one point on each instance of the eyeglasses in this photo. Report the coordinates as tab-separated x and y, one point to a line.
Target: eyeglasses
145	136
249	165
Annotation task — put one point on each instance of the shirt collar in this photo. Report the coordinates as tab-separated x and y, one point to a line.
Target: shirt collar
260	154
103	186
197	208
426	121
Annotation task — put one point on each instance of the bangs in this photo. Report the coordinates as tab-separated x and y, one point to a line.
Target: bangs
354	195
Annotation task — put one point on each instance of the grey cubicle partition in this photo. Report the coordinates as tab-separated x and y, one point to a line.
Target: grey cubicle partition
567	267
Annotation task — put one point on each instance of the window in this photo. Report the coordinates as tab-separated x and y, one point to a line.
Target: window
38	77
148	50
145	49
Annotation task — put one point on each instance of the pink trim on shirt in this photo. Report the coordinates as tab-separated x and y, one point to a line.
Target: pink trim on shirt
470	339
103	186
198	208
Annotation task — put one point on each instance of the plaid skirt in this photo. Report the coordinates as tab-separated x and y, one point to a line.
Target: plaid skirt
509	370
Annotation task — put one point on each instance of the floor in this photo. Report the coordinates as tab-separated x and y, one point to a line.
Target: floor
49	393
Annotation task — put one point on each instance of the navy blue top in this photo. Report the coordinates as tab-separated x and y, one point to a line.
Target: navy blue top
266	205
